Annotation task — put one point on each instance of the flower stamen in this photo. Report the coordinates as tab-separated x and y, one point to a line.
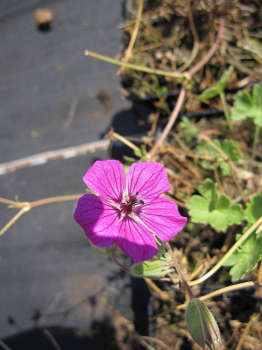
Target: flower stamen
130	203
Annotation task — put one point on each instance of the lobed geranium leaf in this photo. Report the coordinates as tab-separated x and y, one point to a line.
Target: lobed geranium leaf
247	106
213	208
218	88
254	209
246	257
250	252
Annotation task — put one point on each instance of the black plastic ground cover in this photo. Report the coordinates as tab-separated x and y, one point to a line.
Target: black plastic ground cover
49	275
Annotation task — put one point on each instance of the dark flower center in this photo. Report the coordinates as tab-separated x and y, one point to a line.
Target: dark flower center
129	204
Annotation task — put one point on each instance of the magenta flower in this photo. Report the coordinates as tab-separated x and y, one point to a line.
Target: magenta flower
128	210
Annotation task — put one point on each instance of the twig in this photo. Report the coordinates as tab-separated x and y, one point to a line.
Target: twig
113	135
195	36
154	288
42	158
243	336
145	344
52	340
259	274
210	53
171	121
179	271
154	340
26	206
134	34
39	202
228	289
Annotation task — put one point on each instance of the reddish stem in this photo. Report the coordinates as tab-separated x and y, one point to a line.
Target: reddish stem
189	74
171	121
206	58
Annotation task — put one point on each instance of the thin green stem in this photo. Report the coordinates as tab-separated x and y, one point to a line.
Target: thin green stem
228	254
179	271
98	249
136	66
225	109
123	267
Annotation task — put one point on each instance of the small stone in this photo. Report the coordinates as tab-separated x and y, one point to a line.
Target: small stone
43	19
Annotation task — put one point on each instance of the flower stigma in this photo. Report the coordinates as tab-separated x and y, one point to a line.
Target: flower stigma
130	203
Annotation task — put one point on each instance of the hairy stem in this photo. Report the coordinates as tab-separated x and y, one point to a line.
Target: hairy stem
123	267
179	270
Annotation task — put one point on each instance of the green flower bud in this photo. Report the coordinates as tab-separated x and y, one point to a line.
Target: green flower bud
153	268
202	325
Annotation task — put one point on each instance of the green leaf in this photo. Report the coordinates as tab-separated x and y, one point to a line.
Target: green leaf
250	252
141	152
246	257
246	106
129	160
218	88
254	208
227	146
188	130
138	153
153	268
213	208
257	109
257	96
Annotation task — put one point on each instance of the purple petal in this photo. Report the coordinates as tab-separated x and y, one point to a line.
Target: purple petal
135	240
162	218
149	179
107	178
97	218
